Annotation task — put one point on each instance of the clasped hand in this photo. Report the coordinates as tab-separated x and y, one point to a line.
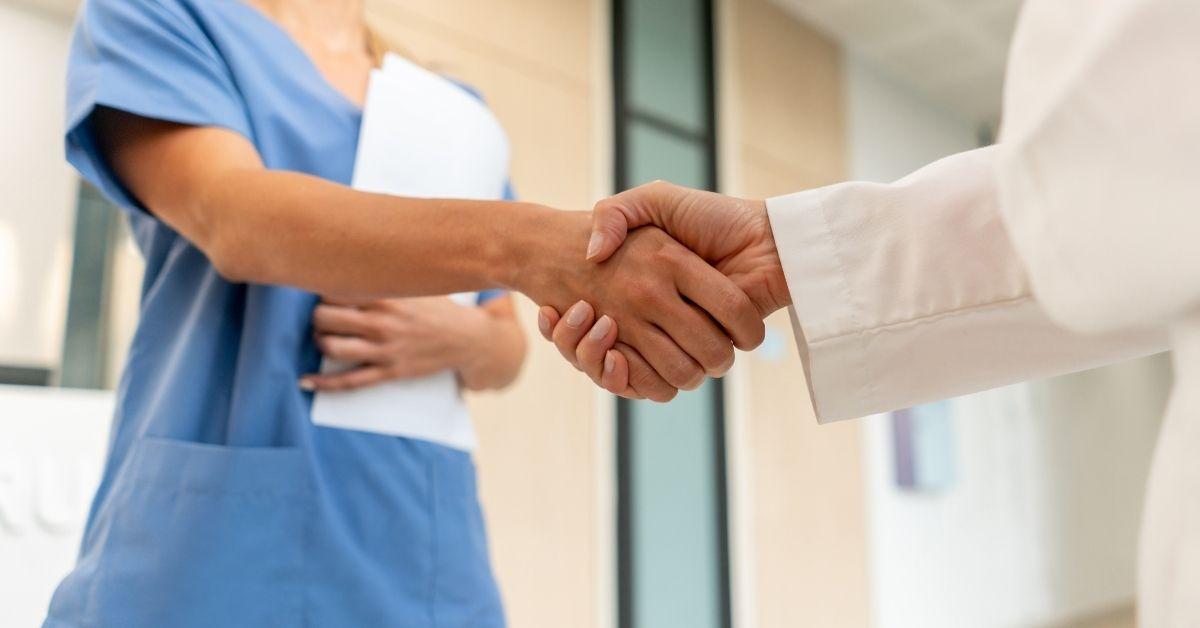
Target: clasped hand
713	276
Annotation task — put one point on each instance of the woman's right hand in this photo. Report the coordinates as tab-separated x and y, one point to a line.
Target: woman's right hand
590	345
679	318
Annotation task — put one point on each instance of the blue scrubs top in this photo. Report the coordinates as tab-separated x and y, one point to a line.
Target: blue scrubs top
221	504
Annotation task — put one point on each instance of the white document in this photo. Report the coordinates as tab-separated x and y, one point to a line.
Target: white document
421	136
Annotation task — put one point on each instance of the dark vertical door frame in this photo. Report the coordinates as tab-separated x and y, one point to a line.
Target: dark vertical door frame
624	112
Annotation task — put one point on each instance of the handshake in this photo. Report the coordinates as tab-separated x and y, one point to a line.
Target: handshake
673	280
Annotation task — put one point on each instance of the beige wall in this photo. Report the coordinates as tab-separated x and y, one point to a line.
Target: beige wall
37	215
799	492
540	473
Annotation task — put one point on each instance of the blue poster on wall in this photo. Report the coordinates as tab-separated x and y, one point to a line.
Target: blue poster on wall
923	447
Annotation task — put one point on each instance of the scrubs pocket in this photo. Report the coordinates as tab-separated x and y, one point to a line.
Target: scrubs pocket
204	535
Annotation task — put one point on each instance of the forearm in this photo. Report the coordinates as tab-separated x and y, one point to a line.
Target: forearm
273	227
494	350
286	228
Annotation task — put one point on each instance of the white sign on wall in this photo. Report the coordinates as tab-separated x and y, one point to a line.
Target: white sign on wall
52	445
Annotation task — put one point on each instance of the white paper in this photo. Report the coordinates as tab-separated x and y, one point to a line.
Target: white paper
421	136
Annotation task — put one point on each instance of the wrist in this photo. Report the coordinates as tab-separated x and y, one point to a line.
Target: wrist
542	244
515	246
467	337
777	295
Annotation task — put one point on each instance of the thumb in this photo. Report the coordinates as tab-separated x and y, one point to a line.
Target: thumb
613	218
609	226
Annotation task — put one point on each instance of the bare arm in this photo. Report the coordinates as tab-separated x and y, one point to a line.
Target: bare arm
274	227
679	318
498	348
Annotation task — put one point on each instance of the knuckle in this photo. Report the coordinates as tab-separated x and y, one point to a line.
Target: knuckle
656	301
681	372
372	327
643	379
383	353
566	336
734	303
585	356
758	333
744	317
717	354
329	346
566	346
641	290
383	328
671	257
662	396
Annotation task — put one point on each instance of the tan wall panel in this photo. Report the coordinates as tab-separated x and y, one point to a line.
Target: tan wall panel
537	461
537	476
548	120
792	114
807	523
809	528
548	38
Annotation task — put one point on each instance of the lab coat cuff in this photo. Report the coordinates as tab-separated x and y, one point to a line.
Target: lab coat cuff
821	306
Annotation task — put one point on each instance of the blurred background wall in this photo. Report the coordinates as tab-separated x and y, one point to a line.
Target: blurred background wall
730	506
39	205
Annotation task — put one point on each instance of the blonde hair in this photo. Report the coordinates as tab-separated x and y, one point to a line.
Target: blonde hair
378	46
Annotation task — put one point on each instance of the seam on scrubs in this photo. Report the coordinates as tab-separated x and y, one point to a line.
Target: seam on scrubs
309	515
433	542
263	495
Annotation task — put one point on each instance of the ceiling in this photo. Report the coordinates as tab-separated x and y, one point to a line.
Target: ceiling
953	51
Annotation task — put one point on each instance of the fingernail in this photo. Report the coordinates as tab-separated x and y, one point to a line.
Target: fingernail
601	328
594	245
543	323
307	384
609	363
576	314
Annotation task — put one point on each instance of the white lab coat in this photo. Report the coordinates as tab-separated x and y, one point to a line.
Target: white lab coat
1072	243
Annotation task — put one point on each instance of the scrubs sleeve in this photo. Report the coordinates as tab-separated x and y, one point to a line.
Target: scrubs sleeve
510	194
149	58
490	295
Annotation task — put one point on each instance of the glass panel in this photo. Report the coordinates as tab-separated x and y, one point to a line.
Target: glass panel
654	154
664	60
97	229
673	501
675	509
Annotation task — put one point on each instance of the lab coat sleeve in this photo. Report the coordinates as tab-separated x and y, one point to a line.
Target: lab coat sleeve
911	292
1099	170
